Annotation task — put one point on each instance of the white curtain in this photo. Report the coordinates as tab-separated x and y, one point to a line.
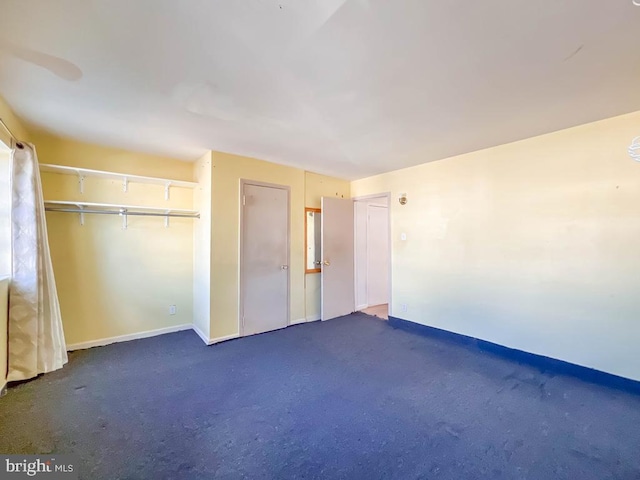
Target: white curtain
36	338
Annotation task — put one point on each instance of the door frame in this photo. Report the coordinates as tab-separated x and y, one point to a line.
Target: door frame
361	198
256	183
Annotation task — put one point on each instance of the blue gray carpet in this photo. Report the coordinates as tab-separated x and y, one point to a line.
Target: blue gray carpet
350	398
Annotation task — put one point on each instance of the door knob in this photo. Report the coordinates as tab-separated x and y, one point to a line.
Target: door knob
326	262
284	267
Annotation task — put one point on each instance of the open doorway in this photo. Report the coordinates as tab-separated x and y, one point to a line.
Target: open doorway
372	255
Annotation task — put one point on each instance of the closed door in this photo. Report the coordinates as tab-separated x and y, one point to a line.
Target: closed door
264	259
337	288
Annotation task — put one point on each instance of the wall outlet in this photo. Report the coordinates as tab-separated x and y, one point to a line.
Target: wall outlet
172	309
403	307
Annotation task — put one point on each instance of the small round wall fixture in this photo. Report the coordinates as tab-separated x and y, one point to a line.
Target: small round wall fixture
634	148
403	199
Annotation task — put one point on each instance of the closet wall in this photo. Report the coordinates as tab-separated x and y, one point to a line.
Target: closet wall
118	284
114	282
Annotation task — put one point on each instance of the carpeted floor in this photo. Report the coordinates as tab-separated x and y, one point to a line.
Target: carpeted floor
350	398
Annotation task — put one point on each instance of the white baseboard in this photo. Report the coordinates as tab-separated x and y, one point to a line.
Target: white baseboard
223	339
313	318
161	331
200	333
125	338
298	321
361	307
211	341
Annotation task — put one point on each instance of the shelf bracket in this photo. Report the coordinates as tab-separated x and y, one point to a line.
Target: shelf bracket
166	220
81	182
123	214
166	190
125	184
81	207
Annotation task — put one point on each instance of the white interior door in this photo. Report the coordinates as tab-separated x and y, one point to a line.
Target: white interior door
377	255
337	285
264	262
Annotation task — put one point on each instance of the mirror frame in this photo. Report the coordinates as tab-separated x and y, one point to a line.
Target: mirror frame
306	219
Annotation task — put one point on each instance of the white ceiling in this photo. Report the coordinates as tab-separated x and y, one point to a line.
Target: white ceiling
344	87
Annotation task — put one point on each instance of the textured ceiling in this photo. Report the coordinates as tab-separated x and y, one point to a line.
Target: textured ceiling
349	88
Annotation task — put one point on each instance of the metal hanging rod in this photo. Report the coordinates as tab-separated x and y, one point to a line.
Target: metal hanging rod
15	139
122	212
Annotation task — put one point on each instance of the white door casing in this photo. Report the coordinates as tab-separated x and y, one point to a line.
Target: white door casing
360	254
337	277
264	258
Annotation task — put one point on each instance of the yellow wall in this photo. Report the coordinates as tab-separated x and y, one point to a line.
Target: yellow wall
113	282
306	189
316	187
532	245
64	151
225	227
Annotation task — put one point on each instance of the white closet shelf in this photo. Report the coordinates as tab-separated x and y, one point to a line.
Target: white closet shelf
116	206
125	177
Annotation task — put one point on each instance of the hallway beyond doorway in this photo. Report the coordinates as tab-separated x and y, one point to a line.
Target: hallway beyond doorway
380	311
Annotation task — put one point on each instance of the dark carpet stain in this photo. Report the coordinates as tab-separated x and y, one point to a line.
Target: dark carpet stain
350	398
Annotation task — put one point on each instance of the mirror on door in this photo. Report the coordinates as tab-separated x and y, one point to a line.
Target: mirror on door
312	240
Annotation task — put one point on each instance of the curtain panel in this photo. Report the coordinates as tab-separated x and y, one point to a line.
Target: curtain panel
36	337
